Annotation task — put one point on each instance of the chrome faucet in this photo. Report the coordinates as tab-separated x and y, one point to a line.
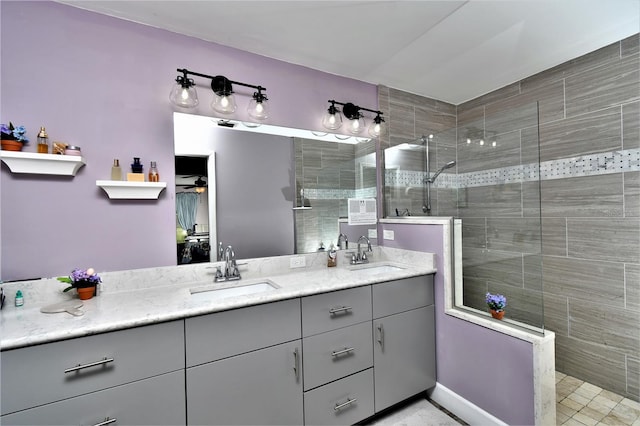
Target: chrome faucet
361	256
231	271
346	241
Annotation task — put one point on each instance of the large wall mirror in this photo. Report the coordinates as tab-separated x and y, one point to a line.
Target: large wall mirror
266	191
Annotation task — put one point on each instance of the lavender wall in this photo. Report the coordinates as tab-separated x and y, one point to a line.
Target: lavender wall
103	84
490	369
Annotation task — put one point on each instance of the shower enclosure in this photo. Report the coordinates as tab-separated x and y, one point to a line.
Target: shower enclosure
484	173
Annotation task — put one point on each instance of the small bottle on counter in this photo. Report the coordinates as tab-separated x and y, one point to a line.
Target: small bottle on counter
19	298
43	141
116	171
153	173
72	150
332	258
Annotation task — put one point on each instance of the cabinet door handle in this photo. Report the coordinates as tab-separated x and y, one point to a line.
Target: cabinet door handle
91	364
107	421
342	351
340	309
296	364
344	404
381	336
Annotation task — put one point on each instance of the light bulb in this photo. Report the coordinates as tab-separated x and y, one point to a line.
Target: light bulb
225	104
258	110
332	121
481	142
182	96
356	125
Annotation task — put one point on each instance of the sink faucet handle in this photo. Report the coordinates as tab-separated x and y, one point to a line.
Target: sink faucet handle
218	272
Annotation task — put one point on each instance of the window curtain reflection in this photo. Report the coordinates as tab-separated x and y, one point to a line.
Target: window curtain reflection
186	206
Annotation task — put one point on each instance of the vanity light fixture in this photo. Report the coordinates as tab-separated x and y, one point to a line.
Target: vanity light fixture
333	118
184	94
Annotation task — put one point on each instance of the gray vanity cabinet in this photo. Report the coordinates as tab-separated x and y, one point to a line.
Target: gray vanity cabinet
338	378
244	366
404	339
262	387
155	401
102	369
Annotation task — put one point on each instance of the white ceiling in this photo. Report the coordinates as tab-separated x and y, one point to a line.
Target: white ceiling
449	50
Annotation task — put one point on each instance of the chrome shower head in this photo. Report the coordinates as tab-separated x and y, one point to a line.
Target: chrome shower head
446	166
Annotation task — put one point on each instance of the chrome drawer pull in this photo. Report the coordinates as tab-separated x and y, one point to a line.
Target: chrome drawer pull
381	336
340	309
343	351
344	404
93	364
296	364
107	421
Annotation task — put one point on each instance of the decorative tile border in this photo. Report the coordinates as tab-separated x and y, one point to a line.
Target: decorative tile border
339	194
627	160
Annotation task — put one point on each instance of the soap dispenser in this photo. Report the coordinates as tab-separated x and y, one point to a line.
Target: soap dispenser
332	258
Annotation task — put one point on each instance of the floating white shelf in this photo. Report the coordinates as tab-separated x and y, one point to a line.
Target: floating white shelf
44	164
124	190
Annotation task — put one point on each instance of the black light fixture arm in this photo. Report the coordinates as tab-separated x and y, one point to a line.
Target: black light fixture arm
187	72
352	107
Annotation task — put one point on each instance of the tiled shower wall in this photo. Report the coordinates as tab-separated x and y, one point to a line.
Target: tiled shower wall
329	173
589	115
589	133
408	118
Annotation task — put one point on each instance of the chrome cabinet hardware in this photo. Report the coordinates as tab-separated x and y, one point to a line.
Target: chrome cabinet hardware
107	421
296	364
340	309
381	336
344	404
92	364
343	351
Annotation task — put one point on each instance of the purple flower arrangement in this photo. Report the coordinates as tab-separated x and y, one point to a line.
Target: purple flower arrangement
81	278
497	302
14	133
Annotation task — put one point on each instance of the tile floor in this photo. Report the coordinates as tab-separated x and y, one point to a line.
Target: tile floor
580	403
420	412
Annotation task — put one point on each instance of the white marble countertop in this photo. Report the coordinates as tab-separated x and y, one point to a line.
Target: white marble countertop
143	297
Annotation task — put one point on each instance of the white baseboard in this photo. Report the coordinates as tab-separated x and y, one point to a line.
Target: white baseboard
462	408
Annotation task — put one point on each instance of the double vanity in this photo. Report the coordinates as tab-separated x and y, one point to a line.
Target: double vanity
314	345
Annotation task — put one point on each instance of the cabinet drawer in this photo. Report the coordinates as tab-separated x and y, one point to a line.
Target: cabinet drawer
335	354
329	311
36	375
224	334
402	295
343	402
155	401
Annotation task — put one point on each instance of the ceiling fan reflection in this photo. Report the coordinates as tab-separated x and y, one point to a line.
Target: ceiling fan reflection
199	184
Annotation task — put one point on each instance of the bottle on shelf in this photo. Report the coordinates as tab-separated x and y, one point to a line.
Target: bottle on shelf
136	166
116	170
43	141
153	173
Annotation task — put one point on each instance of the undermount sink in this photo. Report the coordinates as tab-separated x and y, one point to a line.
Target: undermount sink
217	293
376	269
